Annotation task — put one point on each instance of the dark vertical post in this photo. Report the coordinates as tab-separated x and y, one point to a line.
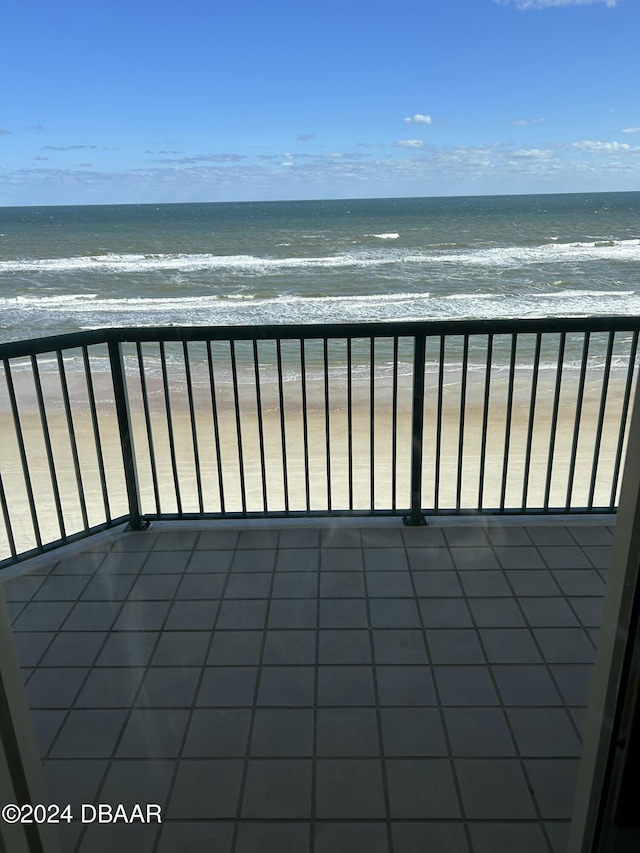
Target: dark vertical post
623	419
6	515
463	404
46	435
172	443
72	438
263	464
394	436
121	400
532	414
216	427
601	413
372	431
194	427
350	421
23	452
327	421
507	426
577	422
283	434
485	420
96	432
147	420
438	460
416	518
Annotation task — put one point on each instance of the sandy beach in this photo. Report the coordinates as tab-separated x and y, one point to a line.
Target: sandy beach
351	418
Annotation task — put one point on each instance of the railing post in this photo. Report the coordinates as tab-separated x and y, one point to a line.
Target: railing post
121	400
416	516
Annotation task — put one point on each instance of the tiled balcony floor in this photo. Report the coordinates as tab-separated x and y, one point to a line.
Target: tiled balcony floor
336	689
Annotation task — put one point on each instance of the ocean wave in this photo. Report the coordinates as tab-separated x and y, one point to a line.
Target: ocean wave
473	296
391	235
30	316
590	294
494	256
82	302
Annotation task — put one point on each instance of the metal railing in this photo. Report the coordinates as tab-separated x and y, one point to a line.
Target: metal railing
405	419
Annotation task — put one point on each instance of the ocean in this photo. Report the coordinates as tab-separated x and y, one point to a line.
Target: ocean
65	269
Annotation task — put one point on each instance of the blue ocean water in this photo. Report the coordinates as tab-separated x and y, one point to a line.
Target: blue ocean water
69	268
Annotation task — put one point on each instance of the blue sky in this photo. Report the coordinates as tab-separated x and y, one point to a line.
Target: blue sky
133	101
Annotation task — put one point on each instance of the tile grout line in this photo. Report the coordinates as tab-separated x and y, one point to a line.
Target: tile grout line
452	764
177	758
109	633
132	706
503	707
378	710
247	755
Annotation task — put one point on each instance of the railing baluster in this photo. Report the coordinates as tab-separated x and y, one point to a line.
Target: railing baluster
485	420
236	402
96	432
172	443
7	519
601	414
507	425
216	428
623	418
147	421
350	423
47	443
554	419
121	400
194	430
394	427
17	425
283	434
372	431
72	439
263	467
305	426
417	430
577	421
327	425
532	411
438	460
463	402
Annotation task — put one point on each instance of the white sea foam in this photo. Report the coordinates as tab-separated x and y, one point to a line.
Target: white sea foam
472	296
91	310
590	294
391	235
493	257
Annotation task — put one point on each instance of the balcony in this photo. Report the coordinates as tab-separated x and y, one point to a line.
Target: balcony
218	610
371	686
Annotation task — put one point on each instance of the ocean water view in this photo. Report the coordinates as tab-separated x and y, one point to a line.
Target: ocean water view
66	269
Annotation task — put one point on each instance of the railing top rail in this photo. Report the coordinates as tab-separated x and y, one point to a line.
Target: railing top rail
429	328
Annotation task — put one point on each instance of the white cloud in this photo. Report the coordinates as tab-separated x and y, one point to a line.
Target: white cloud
409	143
205	158
529	121
595	145
418	118
69	147
537	153
582	166
631	130
305	137
546	4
